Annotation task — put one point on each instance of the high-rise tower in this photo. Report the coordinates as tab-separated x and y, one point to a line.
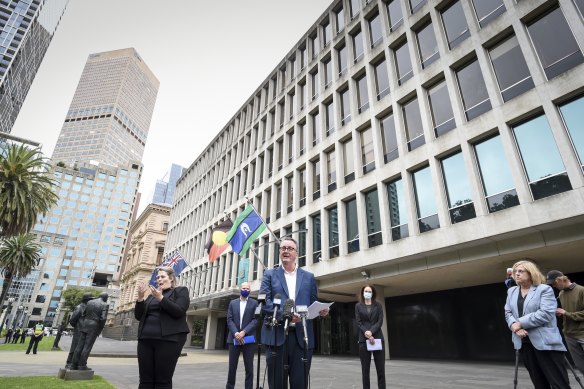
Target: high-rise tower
110	114
26	30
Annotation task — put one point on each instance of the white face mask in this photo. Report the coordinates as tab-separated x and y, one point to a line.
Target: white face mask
367	295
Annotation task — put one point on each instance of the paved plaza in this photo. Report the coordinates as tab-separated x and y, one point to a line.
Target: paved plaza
116	362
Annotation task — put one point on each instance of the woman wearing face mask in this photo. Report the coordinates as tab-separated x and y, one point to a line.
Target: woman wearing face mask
369	317
163	329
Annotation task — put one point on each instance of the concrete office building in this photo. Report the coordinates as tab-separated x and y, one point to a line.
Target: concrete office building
110	114
26	30
165	188
425	146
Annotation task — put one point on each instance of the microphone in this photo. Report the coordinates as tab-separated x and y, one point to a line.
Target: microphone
288	313
277	302
302	310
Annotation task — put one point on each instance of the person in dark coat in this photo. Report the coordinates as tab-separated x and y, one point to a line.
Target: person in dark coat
89	329
76	318
8	338
163	329
16	335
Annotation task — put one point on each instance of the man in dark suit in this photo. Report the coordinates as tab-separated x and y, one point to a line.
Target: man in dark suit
241	322
290	282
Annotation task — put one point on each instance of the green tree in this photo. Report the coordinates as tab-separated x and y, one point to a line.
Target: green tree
26	189
73	295
18	257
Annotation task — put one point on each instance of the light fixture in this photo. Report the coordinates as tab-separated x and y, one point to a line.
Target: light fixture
365	274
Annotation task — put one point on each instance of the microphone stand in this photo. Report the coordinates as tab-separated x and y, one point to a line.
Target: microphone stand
285	362
303	314
261	315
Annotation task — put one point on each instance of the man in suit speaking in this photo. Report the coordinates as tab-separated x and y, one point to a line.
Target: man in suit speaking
241	322
290	282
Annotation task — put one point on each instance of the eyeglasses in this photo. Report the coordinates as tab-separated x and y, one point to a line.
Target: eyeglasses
287	248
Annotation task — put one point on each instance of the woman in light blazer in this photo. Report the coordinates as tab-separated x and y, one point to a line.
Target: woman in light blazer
530	312
369	318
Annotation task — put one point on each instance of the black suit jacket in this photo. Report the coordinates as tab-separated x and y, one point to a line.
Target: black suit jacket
369	321
173	312
248	323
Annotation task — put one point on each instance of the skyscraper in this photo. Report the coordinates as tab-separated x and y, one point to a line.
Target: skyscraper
164	189
26	30
110	114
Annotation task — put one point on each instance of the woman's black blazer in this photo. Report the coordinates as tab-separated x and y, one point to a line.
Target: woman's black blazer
173	312
369	321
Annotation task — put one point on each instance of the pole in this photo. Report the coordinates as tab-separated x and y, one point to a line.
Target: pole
573	371
258	337
516	368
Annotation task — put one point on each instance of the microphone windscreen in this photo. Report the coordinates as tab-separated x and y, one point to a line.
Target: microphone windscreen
288	309
277	299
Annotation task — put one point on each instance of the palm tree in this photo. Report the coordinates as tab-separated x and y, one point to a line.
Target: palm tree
19	255
26	189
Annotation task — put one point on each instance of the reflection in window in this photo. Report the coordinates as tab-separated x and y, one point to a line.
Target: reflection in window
388	138
301	138
345	107
416	4
458	192
545	33
425	200
316	179
348	161
316	239
455	25
329	118
441	109
397	209
340	19
358	48
374	236
381	80
362	94
497	182
573	114
367	151
547	176
315	128
473	90
403	64
427	45
396	17
333	227
487	11
580	5
302	187
328	73
314	45
314	84
355	8
331	170
290	197
511	70
413	124
327	33
375	31
342	59
302	244
352	224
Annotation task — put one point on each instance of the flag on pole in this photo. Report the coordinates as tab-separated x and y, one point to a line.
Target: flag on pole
247	227
173	260
217	243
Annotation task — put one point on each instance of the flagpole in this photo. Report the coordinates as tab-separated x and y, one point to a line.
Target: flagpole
263	221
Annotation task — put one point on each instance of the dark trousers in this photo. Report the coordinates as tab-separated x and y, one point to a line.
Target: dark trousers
8	339
15	338
546	368
34	343
379	359
22	338
248	352
83	348
274	361
157	361
74	342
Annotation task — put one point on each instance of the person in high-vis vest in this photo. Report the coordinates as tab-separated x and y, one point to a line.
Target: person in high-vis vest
35	338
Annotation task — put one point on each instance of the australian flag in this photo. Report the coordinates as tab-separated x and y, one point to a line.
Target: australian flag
174	260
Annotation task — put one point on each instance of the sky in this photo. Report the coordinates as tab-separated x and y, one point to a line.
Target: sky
209	56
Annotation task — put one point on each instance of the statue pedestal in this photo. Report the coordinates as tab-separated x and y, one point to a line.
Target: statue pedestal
75	375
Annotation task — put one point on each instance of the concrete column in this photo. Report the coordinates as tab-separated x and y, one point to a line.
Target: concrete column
211	331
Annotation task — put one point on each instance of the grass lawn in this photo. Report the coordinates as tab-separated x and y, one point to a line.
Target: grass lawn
52	383
46	344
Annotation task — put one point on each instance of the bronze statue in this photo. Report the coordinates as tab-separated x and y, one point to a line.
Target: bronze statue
76	318
89	329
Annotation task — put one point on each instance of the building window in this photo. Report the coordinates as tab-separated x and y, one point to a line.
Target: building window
315	128
362	94
547	176
302	243
458	192
316	179
328	72
327	33
268	199
496	178
510	68
355	8
396	17
302	58
352	224
345	100
403	64
545	33
425	200
290	140
367	150
455	25
302	187
331	170
278	200
314	45
302	90
290	105
413	124
342	59
580	5
301	138
292	63
290	194
473	90
427	45
358	49
487	11
573	114
333	227
381	79
375	31
314	84
340	19
329	118
441	109
374	236
316	239
397	209
280	144
416	5
388	138
348	161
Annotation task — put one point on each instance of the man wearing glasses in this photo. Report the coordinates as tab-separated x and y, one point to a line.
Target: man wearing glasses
290	282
